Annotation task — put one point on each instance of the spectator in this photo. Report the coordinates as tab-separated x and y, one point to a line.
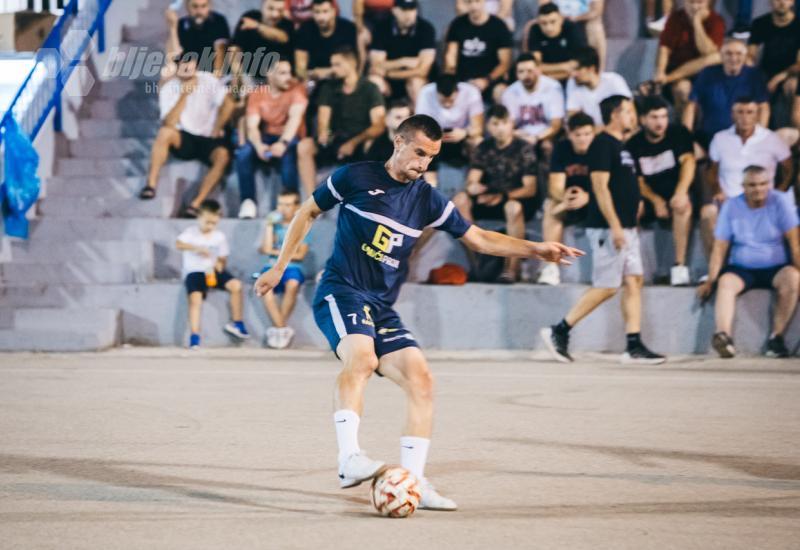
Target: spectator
755	227
479	49
776	37
403	52
535	101
280	334
743	144
194	106
717	87
616	254
368	15
203	32
301	11
501	183
351	113
656	26
568	187
458	108
275	124
260	32
205	251
665	161
319	38
383	147
588	87
690	42
554	41
504	9
588	15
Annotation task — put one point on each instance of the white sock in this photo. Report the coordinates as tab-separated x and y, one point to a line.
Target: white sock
414	454
346	432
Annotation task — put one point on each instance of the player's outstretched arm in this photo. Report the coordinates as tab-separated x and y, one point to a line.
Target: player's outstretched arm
298	229
497	244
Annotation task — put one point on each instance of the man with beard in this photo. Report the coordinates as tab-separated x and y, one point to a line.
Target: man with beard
588	86
553	41
202	32
259	33
776	36
319	38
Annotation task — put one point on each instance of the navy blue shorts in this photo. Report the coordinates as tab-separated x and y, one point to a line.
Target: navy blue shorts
754	278
292	273
196	282
338	315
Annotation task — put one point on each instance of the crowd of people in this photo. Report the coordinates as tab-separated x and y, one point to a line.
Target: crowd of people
539	129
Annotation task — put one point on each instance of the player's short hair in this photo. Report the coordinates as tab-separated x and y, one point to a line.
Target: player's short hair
498	111
211	206
744	99
400	103
290	193
610	104
549	8
346	50
587	57
446	84
579	120
420	123
652	103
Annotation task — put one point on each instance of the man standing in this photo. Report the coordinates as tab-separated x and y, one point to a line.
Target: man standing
755	227
385	207
611	223
665	160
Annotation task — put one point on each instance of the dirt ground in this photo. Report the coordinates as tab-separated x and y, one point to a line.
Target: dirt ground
152	448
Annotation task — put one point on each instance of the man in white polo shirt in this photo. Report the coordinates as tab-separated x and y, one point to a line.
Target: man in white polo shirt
194	107
588	86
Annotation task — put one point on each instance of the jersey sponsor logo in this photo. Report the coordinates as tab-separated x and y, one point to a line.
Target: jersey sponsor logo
658	163
385	240
376	192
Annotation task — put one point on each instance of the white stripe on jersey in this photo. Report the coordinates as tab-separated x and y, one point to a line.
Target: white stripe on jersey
338	322
400	228
446	214
333	190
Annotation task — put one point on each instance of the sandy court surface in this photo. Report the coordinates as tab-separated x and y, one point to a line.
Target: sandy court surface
140	448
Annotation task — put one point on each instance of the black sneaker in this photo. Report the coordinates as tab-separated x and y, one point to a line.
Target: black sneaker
723	344
640	355
776	347
557	343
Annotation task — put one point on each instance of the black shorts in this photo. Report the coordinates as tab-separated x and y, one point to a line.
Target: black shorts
754	278
197	147
575	217
695	198
196	282
327	155
481	212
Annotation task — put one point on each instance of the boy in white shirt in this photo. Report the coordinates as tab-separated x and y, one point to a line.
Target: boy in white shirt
205	251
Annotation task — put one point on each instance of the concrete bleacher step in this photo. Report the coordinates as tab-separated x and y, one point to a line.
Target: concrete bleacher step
108	207
109	187
82	272
92	128
125	88
132	252
58	340
124	109
100	148
101	167
54	319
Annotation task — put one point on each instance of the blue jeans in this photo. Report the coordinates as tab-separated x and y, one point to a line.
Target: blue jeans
744	14
245	161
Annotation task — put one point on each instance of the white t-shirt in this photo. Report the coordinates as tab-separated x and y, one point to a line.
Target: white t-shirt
533	112
468	104
583	98
764	148
200	113
214	241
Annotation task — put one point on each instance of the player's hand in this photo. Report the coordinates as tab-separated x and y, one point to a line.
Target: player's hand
679	201
618	237
268	280
278	149
660	206
557	252
575	198
489	199
249	24
347	149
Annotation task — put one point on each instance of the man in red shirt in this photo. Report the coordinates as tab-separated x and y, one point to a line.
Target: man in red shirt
690	42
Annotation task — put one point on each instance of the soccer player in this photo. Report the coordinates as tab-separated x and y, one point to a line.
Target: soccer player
385	207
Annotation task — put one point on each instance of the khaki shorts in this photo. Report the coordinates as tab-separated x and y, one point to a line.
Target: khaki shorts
610	265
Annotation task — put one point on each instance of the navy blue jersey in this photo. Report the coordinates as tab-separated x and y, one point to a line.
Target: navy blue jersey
379	222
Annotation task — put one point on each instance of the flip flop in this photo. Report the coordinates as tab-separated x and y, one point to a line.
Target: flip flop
147	193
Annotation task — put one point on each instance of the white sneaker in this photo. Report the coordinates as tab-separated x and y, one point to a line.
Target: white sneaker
432	500
286	336
248	210
679	276
358	468
550	275
657	27
272	337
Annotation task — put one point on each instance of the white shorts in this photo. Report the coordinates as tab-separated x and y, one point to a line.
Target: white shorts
610	265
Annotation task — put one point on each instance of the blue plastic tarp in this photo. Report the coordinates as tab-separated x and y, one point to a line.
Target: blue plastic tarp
21	185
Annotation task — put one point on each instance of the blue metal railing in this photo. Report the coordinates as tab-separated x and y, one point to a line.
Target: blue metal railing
61	52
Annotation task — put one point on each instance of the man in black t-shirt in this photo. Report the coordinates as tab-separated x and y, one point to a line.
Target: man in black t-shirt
259	33
664	157
479	50
554	41
317	39
777	36
568	187
202	32
403	51
611	228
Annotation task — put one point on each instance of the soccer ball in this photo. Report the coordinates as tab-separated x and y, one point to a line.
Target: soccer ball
395	493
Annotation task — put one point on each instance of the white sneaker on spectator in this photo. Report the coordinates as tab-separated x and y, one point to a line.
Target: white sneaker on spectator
550	275
679	276
248	210
703	279
657	27
286	336
273	337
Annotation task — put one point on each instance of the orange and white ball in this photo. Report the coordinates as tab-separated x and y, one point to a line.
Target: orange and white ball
395	493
